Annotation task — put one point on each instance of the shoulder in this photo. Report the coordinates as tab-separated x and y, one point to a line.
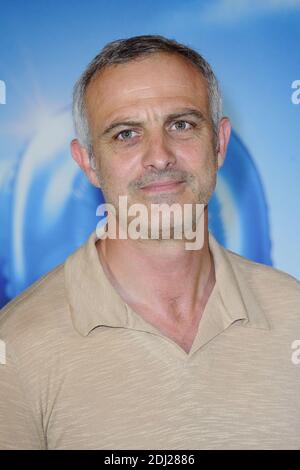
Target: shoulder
259	271
37	309
273	287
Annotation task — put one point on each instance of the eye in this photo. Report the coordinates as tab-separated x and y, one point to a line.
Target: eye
125	135
182	125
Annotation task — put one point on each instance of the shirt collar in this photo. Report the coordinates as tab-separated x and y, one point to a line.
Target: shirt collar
94	302
238	299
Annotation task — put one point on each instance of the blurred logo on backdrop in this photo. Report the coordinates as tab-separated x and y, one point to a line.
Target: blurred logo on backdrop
48	207
2	92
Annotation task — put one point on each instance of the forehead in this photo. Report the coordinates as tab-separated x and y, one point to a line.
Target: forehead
156	79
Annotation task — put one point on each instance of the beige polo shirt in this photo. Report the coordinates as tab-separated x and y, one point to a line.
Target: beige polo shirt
85	371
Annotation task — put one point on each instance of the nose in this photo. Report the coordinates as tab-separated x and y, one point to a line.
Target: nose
158	153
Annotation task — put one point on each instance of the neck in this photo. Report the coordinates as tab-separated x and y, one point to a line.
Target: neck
160	273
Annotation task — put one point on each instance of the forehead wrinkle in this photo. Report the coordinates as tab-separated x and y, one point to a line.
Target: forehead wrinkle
132	107
121	98
151	87
158	92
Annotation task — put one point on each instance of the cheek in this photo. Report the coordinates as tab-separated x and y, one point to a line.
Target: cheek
193	156
113	176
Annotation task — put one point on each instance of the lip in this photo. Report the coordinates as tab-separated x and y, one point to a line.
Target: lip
162	185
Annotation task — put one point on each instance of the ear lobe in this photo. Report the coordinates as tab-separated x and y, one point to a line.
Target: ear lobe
81	157
77	152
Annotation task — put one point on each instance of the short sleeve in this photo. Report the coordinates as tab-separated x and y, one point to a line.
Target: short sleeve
18	426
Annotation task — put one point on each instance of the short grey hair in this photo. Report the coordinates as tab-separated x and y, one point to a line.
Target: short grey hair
126	50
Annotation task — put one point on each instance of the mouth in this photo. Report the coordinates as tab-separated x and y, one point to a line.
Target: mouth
162	186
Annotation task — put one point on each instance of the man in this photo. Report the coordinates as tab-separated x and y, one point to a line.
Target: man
140	343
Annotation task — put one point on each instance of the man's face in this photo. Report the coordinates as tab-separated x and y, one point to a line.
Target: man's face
150	123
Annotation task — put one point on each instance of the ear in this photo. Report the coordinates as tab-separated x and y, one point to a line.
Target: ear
223	139
81	157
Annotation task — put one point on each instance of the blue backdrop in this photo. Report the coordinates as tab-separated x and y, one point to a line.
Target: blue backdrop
47	207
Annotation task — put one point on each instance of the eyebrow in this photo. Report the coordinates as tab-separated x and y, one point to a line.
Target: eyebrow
170	117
